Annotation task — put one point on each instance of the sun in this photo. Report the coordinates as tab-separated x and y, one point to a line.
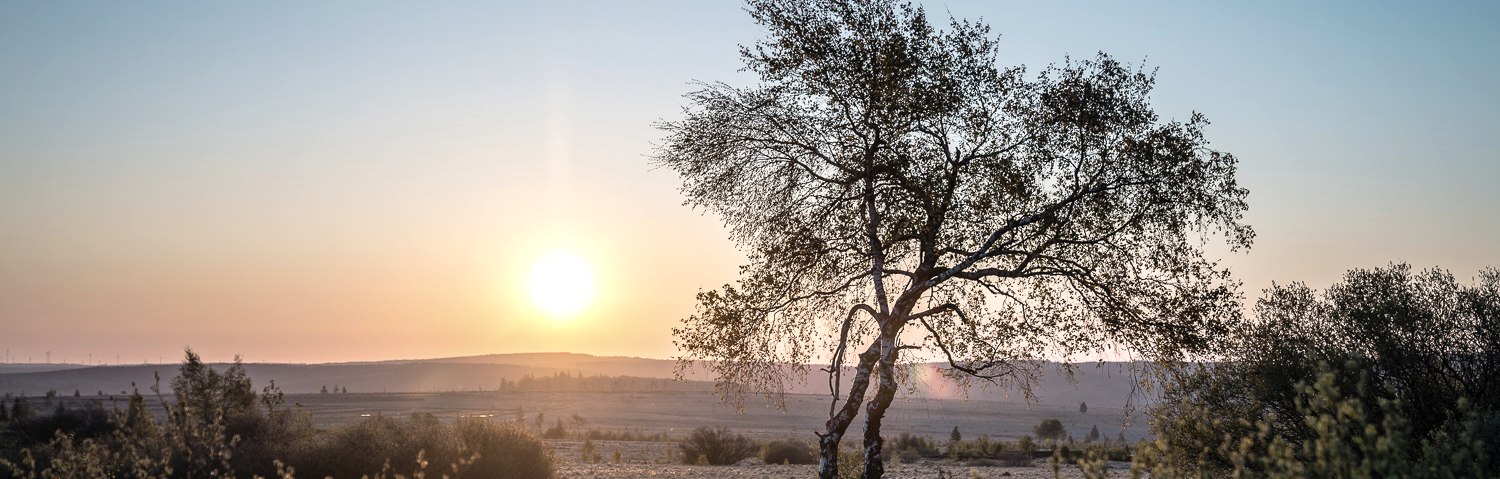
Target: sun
561	284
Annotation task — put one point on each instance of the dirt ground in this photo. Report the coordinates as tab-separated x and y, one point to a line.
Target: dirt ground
763	471
660	460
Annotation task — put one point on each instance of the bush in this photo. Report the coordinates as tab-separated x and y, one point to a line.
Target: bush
1349	439
909	456
1428	340
368	445
787	452
474	447
718	446
504	450
1050	430
90	421
1015	458
260	441
921	445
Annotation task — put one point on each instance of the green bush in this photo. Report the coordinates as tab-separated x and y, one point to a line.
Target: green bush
787	452
718	446
1429	340
1348	439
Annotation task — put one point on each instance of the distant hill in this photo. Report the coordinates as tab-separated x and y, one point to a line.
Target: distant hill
1104	385
36	368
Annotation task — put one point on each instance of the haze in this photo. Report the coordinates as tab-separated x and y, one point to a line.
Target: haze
310	182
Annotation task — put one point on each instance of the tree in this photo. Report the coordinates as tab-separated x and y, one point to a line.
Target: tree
1083	407
1431	344
895	190
20	410
203	391
1093	434
1050	430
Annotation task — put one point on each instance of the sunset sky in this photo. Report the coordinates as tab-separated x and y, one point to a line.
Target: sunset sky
331	181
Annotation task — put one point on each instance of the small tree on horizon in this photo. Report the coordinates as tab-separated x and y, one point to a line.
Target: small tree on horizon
1050	430
896	191
204	391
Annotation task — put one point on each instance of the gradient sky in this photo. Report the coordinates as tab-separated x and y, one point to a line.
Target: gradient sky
325	181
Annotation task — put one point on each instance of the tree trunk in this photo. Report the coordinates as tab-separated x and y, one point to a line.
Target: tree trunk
875	410
828	440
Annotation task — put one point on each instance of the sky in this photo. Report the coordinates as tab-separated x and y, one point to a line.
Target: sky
336	181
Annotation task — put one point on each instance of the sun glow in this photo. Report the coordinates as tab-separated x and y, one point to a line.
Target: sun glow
561	284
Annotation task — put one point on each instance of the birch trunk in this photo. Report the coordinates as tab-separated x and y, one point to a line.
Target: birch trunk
828	440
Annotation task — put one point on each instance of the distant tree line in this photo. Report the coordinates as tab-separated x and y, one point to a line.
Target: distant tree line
216	425
568	382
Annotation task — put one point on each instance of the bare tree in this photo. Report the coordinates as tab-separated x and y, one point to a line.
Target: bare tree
896	190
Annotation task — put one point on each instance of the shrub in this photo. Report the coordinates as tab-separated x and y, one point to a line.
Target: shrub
787	452
254	442
1349	439
504	450
1015	458
1428	340
921	445
369	444
1050	430
909	456
718	446
557	431
90	421
851	464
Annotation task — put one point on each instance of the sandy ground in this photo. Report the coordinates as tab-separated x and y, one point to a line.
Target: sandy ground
658	459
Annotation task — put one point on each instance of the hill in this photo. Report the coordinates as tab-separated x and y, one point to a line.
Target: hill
1101	385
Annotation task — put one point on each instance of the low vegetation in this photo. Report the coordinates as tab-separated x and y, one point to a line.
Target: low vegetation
1387	374
788	451
1390	373
216	426
716	446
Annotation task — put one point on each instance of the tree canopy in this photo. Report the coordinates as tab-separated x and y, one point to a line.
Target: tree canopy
895	189
1415	347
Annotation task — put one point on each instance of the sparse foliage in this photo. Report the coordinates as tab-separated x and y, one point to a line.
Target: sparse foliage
895	189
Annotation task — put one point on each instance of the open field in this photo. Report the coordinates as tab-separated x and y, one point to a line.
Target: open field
645	459
676	413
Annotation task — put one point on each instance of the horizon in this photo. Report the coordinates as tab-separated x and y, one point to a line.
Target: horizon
319	183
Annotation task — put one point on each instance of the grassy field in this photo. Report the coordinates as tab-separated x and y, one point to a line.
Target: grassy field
676	413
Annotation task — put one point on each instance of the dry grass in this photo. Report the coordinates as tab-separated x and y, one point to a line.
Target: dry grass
652	459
